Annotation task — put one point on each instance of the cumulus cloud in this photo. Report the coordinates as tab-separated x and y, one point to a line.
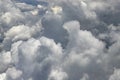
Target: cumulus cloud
13	74
59	40
57	74
115	75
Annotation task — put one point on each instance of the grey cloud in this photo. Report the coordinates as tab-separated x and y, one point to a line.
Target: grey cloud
59	40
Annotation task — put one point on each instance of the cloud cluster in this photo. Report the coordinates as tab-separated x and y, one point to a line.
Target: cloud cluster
59	40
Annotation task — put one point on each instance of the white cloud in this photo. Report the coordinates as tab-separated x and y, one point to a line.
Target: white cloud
3	76
15	32
85	77
13	74
5	60
59	40
115	75
84	40
57	74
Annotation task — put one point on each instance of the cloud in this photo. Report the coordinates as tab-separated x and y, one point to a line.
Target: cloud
57	74
84	51
13	74
3	76
5	60
59	40
115	75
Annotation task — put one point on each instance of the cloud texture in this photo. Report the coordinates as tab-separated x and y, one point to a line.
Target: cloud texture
59	40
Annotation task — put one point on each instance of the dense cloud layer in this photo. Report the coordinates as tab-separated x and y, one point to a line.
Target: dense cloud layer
59	40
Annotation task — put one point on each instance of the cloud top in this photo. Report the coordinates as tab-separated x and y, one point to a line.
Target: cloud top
59	40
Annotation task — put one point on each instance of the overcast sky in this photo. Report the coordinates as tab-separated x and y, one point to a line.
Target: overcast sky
59	40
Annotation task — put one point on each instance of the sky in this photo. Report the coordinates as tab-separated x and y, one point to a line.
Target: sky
59	40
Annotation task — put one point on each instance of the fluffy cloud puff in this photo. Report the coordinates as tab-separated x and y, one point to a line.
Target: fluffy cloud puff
59	40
